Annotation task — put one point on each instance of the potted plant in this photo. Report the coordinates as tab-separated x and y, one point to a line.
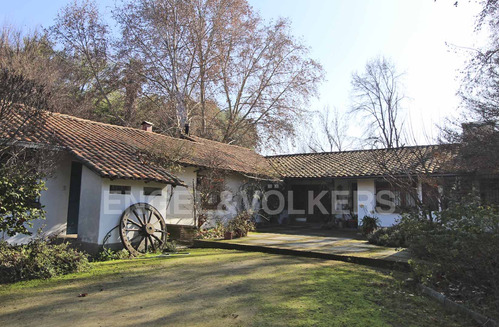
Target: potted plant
369	224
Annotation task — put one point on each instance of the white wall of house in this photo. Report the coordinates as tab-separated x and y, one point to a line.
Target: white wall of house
112	206
230	198
100	211
367	203
175	204
55	202
181	208
90	204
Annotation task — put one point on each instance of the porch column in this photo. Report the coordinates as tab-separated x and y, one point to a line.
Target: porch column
366	198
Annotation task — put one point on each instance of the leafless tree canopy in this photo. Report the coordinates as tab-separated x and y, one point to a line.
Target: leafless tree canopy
377	95
198	54
477	130
85	40
327	132
214	64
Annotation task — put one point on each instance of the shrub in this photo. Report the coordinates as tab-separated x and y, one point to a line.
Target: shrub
19	187
171	246
241	224
39	259
393	236
211	233
458	252
369	224
108	254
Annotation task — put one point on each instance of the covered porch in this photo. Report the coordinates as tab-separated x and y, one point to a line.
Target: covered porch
340	203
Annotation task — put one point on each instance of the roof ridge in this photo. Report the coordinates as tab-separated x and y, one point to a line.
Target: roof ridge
142	131
233	145
357	150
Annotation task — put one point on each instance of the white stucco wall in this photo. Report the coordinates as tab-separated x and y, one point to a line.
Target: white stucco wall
367	203
231	200
100	211
55	202
181	208
175	204
113	205
90	204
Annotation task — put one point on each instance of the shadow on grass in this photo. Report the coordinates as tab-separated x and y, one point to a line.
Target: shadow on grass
213	288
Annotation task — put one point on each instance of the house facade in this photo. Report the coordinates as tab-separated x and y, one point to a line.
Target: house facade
103	169
340	188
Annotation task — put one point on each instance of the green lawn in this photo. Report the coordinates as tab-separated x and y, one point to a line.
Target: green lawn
221	288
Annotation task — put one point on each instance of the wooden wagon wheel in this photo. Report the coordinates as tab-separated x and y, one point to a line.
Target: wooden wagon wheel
142	229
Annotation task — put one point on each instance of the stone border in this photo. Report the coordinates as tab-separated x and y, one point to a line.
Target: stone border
377	263
455	307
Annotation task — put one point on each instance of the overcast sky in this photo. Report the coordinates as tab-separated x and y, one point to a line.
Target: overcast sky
344	34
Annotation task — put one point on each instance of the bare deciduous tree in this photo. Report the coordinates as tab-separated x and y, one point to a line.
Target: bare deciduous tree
330	133
377	95
80	29
479	91
267	79
31	54
174	40
477	130
199	53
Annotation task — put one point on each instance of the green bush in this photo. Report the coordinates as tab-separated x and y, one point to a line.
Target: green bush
393	236
19	189
369	224
171	246
108	254
39	259
241	224
458	252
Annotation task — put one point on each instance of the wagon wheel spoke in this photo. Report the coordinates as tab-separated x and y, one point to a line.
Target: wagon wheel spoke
144	216
134	223
138	228
138	243
158	239
152	243
138	218
133	238
132	229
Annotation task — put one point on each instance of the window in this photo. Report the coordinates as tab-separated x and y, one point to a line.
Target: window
119	189
342	202
391	199
153	191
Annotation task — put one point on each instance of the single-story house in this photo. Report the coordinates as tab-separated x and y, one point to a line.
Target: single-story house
103	169
351	184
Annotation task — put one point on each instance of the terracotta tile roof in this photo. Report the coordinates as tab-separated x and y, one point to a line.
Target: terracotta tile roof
119	152
430	159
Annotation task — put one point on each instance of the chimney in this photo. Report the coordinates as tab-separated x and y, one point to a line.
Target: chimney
186	129
147	126
477	130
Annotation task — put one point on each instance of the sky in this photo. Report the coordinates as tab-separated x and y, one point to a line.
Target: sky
420	36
